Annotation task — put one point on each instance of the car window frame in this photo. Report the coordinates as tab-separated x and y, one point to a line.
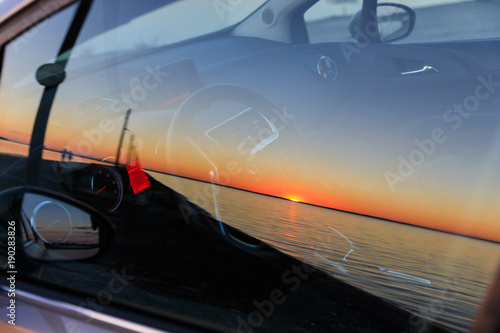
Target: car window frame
29	16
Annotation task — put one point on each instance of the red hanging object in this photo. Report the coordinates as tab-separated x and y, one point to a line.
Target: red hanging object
138	178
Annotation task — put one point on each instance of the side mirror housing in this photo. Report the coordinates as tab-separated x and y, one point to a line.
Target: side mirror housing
393	22
47	226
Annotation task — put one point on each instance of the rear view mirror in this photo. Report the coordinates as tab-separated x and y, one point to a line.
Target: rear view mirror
51	227
393	22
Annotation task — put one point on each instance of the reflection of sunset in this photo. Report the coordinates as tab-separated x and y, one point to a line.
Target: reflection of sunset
433	205
342	169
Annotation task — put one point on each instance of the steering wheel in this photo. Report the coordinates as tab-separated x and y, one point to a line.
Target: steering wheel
233	136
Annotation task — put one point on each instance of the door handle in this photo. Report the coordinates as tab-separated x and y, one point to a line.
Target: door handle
422	70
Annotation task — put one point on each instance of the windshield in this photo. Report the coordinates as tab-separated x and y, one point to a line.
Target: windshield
259	174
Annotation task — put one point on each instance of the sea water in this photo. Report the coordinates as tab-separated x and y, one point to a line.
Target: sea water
441	276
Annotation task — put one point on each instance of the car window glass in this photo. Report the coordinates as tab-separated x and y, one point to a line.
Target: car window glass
304	167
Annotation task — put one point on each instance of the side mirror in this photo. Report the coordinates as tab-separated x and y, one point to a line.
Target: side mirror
393	22
48	226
